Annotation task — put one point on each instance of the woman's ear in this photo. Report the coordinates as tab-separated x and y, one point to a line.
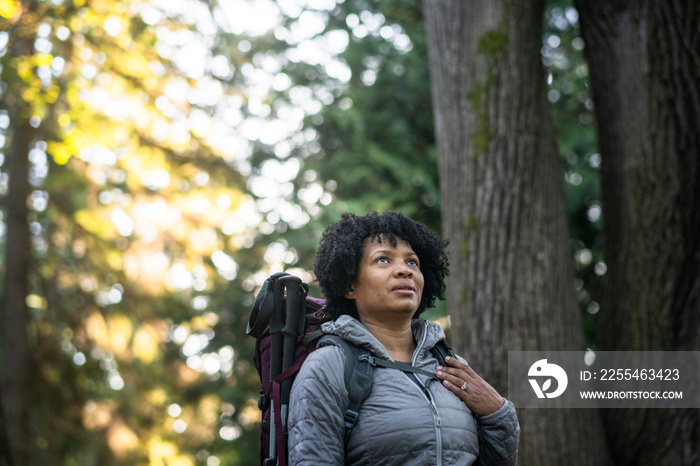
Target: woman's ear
350	294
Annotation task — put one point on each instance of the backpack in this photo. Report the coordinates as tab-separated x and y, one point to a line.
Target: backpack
286	324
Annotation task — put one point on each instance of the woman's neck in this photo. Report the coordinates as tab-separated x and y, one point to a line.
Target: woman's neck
397	339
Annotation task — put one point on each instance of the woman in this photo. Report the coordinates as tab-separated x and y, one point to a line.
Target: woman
379	272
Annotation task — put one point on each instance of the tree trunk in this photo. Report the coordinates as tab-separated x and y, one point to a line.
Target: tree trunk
15	315
644	59
511	285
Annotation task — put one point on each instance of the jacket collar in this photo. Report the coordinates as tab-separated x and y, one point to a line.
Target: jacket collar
425	333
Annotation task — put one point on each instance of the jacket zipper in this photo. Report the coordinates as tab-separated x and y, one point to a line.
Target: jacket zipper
424	388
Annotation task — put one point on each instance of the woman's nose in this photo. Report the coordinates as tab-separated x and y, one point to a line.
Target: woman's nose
402	270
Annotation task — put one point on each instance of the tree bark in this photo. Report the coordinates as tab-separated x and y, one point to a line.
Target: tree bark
15	314
511	285
644	59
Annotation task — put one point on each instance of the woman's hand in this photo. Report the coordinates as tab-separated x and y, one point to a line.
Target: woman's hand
480	397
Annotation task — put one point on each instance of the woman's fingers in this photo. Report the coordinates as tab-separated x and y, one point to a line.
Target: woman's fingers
458	370
474	391
454	362
455	380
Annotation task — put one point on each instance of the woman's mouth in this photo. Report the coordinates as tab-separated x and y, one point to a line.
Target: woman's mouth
404	288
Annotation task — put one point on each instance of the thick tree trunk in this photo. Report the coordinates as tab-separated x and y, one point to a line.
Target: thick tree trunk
511	286
644	59
14	314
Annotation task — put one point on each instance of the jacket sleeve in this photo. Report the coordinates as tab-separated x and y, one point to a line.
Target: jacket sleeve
316	406
500	434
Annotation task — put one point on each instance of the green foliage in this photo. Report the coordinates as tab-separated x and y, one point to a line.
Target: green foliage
141	227
572	107
373	144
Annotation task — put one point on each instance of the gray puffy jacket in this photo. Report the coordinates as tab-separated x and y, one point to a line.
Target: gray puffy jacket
406	420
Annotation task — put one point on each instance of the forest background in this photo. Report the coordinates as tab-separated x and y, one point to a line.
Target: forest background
161	158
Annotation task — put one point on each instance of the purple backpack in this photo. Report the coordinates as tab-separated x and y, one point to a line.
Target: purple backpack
286	324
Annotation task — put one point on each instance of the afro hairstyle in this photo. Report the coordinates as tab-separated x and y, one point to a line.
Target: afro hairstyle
340	250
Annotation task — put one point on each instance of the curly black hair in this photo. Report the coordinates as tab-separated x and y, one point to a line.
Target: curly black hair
339	253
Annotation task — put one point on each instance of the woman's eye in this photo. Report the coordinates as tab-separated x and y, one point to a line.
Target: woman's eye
383	260
412	262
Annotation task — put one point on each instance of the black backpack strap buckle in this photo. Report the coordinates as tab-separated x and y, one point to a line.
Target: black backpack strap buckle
350	418
368	358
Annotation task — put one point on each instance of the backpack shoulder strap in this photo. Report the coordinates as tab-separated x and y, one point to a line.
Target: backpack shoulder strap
399	366
441	350
358	380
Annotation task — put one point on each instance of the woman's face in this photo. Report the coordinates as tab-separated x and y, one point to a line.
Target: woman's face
388	281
